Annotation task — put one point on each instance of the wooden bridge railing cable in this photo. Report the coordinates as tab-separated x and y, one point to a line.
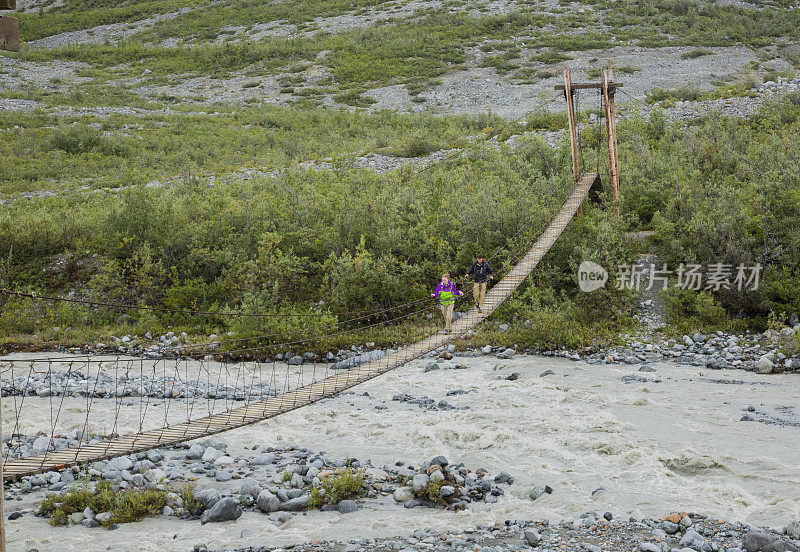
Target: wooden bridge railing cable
262	408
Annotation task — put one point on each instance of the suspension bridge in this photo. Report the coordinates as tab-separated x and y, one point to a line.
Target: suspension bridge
309	388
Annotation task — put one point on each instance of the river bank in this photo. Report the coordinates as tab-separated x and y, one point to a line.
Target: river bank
604	438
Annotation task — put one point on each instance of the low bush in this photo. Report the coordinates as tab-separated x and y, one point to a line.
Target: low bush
696	53
432	492
126	505
689	310
343	484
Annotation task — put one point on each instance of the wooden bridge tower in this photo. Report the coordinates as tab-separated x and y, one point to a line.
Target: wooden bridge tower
9	27
607	88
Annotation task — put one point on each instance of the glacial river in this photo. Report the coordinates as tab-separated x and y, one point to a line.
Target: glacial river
653	446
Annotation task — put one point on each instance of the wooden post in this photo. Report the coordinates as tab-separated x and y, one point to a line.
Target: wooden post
573	132
9	33
2	486
611	135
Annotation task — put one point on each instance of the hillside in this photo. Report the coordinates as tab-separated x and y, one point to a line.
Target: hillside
269	155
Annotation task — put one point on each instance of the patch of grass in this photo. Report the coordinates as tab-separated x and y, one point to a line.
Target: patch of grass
689	310
575	42
417	87
546	120
360	240
126	505
501	62
696	53
343	484
208	22
627	69
88	95
354	98
691	23
91	13
383	54
669	97
550	57
789	344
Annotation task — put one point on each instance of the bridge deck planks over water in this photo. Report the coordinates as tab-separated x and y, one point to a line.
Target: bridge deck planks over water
308	394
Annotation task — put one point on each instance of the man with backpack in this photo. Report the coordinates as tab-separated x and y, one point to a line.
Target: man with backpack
481	272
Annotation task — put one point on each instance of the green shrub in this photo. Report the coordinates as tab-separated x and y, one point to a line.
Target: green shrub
546	120
336	487
190	502
126	505
417	145
689	310
432	492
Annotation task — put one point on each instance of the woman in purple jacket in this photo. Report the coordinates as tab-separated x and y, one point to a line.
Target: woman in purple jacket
446	292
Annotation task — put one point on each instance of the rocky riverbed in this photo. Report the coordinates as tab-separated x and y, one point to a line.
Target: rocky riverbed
599	437
590	532
761	352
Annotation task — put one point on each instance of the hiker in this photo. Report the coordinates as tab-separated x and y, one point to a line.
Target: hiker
480	272
446	292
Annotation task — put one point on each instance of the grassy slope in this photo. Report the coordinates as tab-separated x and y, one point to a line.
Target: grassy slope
49	152
435	42
165	247
358	240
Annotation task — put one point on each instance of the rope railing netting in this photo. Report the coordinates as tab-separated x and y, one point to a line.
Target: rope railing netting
102	406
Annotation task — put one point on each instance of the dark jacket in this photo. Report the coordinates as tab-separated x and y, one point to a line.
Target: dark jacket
480	272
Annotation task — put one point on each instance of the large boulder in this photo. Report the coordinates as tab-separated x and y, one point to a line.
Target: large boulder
155	476
793	530
226	509
207	497
439	461
195	452
403	494
264	459
295	504
763	366
532	537
104	517
250	487
758	541
431	366
211	454
694	540
119	464
507	354
419	482
268	502
41	444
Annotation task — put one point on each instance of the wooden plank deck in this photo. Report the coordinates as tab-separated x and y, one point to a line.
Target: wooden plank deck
307	394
